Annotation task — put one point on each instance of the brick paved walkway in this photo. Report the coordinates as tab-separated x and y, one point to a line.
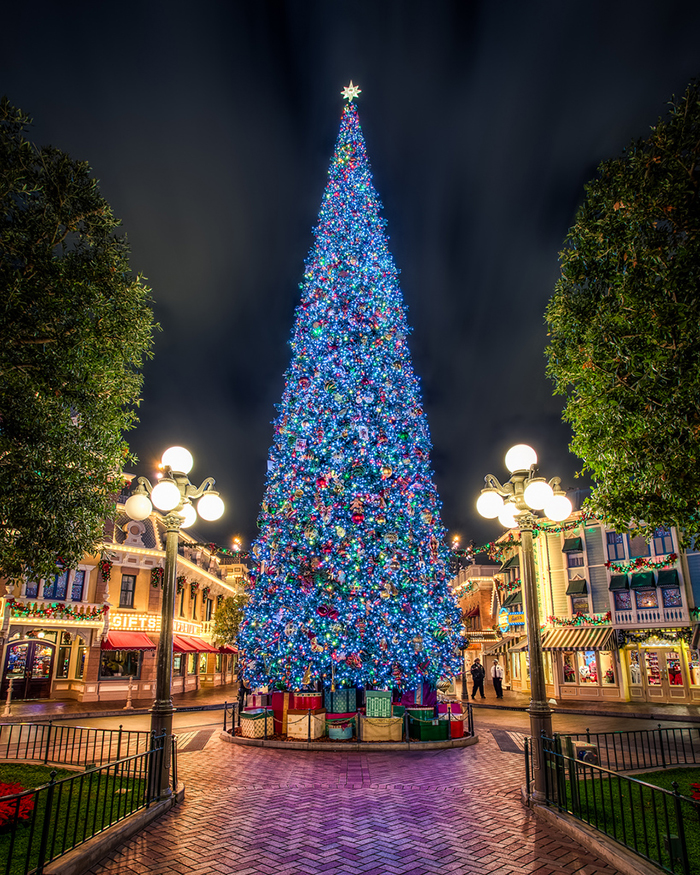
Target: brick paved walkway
251	811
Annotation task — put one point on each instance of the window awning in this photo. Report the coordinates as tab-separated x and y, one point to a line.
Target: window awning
499	646
515	598
473	612
579	638
520	647
513	562
643	580
618	582
127	641
572	545
668	577
577	586
228	648
190	644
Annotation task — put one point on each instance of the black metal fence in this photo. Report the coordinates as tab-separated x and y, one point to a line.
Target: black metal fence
40	825
69	745
648	820
645	748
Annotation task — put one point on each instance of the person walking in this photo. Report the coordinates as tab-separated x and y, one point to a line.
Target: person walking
497	678
478	673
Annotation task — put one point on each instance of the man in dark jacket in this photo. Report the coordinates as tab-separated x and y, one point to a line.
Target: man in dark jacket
478	673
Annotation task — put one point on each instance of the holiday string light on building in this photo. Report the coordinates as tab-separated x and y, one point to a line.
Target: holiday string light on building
56	610
642	562
349	572
580	619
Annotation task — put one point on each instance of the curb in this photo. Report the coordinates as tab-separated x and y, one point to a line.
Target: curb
597	843
353	747
91	715
83	857
592	712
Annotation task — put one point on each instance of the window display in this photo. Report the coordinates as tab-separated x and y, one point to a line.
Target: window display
178	663
569	661
672	597
217	662
623	600
587	667
80	661
673	663
191	663
694	667
579	605
635	668
63	662
653	669
202	663
646	598
120	664
607	667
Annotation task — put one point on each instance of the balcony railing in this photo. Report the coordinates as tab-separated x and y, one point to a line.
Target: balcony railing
651	616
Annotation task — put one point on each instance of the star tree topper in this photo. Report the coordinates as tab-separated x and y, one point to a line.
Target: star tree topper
350	91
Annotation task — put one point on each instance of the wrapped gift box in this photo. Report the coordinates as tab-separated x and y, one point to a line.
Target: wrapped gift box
456	724
341	701
257	723
449	707
423	729
423	712
340	726
304	699
398	710
280	706
381	728
259	700
306	724
378	703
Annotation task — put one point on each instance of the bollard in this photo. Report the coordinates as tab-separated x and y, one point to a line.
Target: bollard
129	706
8	707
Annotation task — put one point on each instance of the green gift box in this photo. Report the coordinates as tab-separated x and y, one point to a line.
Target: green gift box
378	703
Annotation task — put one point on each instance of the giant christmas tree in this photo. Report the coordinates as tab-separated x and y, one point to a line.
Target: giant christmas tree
350	568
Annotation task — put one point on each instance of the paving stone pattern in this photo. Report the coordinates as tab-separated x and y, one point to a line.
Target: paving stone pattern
251	811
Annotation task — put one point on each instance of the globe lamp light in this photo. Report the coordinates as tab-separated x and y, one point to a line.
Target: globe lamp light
489	504
210	506
178	459
506	516
538	493
138	506
190	515
165	495
559	508
520	458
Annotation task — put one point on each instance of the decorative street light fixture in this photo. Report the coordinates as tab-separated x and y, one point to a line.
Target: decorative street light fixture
514	503
173	494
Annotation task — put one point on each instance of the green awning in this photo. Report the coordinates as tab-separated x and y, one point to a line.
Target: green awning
515	598
577	586
513	562
618	582
572	545
643	580
668	577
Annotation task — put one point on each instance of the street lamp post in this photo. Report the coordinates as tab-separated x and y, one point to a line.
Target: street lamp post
515	503
173	494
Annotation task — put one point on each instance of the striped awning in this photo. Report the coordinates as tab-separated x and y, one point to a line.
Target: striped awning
520	647
499	646
579	638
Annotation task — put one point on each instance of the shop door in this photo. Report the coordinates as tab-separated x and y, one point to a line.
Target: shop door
30	665
664	674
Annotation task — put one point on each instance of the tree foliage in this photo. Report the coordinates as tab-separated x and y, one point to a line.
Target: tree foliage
76	326
624	324
228	618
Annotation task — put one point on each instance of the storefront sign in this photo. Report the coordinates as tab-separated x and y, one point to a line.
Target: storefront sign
507	620
149	623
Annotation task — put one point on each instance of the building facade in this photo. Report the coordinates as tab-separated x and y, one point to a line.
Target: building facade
91	633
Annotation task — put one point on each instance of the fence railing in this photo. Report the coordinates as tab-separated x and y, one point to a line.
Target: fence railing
69	745
646	748
306	726
46	822
649	820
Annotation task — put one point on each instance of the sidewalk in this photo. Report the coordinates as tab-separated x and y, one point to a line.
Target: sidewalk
214	697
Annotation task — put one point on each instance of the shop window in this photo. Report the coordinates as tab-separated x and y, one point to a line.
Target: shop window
194	606
653	668
694	667
63	662
607	668
77	587
120	663
646	598
208	609
663	542
635	669
57	587
673	664
31	590
80	661
202	663
126	596
182	602
623	600
587	667
217	662
191	663
569	668
671	597
616	546
579	604
638	547
178	663
574	560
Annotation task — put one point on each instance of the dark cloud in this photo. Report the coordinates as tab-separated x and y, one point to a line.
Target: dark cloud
211	126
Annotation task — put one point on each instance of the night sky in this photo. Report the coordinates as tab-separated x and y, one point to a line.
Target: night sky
211	125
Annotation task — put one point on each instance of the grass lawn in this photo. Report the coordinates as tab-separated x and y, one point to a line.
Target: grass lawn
639	816
81	807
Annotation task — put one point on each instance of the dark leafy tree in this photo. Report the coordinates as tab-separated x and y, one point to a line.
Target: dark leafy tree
624	324
76	325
